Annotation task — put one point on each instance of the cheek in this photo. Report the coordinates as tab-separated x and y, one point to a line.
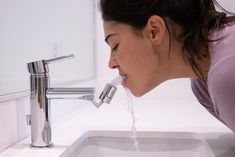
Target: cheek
137	59
142	82
143	74
133	52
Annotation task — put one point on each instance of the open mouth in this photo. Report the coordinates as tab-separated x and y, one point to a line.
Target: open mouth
124	80
124	77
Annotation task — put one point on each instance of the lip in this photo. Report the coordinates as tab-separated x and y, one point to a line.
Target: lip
123	75
124	80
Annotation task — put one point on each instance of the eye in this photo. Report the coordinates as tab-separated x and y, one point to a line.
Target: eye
114	48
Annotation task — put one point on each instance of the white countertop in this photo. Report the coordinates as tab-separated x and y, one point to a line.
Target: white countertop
151	115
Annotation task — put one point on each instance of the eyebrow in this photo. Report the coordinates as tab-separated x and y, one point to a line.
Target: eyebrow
107	38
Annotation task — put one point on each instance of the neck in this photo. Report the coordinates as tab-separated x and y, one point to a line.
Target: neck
178	67
181	68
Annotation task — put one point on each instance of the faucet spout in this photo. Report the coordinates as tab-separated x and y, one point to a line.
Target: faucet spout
71	93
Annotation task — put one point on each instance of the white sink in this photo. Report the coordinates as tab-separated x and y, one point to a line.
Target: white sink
151	144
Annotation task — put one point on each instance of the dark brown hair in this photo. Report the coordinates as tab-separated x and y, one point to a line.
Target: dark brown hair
196	18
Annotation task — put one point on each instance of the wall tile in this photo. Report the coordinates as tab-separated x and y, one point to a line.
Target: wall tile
22	110
8	122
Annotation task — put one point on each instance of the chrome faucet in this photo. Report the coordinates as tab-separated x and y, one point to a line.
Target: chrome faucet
41	93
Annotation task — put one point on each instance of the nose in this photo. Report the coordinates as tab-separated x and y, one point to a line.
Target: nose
113	64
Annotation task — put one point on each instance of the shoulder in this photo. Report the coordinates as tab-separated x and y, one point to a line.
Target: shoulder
222	53
221	75
224	40
221	86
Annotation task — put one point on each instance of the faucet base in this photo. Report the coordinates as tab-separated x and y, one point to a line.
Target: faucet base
48	146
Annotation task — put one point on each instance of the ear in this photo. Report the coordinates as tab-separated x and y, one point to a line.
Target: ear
155	29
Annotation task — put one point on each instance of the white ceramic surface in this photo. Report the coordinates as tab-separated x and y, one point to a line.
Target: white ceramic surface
151	144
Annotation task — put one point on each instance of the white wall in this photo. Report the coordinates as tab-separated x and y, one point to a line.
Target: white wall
13	122
229	5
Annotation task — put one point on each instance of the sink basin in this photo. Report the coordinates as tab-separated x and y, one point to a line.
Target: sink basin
151	144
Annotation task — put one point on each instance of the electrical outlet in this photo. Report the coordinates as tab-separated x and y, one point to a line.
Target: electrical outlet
55	48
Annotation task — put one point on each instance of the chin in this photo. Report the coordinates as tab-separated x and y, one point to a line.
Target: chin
137	93
140	92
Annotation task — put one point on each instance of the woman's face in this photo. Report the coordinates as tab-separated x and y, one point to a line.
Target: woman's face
134	56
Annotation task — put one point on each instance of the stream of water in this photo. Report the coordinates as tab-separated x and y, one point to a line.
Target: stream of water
133	126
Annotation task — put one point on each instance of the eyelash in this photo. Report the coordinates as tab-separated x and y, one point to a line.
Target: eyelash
114	48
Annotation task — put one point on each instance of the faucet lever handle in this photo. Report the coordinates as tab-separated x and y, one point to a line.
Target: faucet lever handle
61	58
39	67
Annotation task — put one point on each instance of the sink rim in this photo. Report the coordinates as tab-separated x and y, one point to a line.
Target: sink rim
140	134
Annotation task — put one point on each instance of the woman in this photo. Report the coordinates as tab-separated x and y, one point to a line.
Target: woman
157	40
